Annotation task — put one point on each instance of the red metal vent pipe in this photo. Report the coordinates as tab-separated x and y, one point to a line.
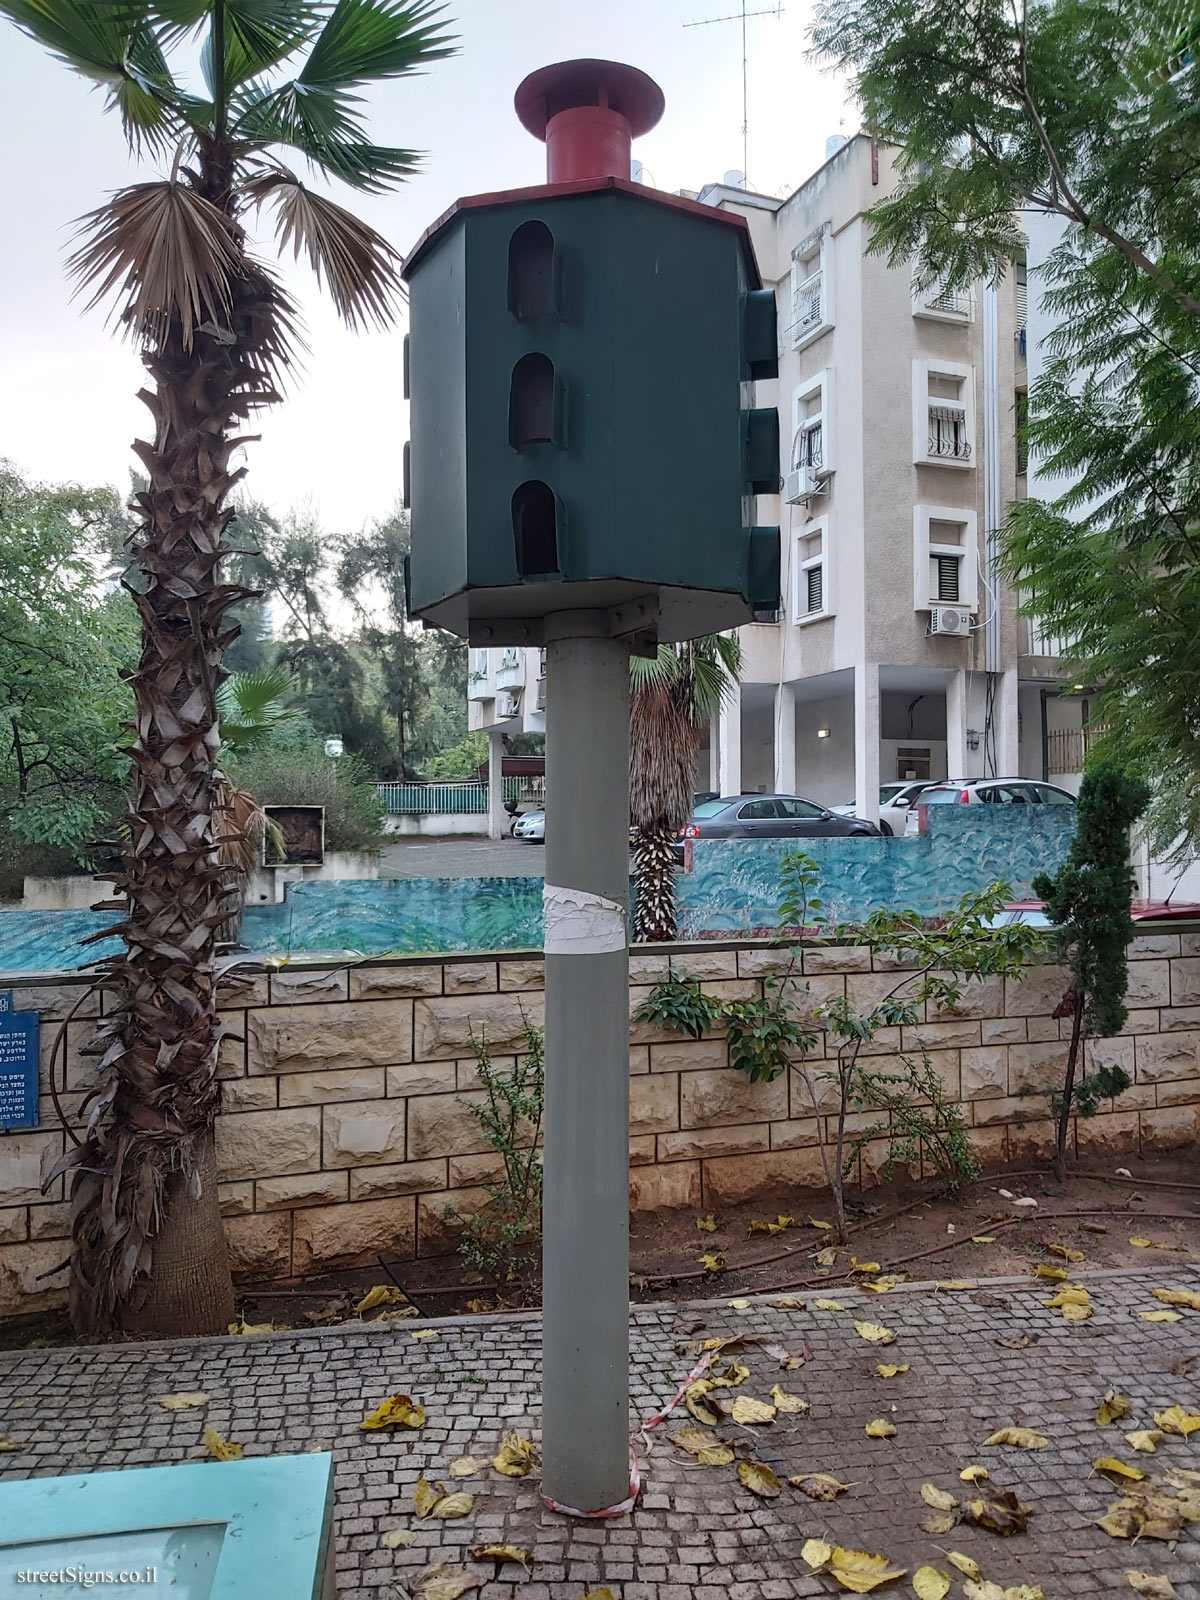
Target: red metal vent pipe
588	113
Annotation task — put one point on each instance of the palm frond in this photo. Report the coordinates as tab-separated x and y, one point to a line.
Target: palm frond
655	672
259	34
250	706
167	251
367	40
322	124
114	43
358	264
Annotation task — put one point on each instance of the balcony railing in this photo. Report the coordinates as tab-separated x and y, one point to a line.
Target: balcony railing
807	448
807	305
954	302
1067	748
948	433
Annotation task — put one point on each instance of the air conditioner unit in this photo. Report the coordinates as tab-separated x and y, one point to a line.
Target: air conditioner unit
950	621
803	483
508	705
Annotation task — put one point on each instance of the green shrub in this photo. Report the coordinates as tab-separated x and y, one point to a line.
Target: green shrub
308	777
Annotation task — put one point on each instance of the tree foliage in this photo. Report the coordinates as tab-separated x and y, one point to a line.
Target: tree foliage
1088	112
65	638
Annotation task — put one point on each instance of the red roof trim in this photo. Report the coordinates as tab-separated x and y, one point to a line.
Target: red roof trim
556	191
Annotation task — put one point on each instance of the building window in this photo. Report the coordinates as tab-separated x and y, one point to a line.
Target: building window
943	414
812	586
812	287
1021	412
943	304
812	435
945	558
1022	288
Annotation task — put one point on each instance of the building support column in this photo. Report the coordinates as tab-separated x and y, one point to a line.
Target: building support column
729	772
866	740
497	816
585	1214
785	738
714	752
1008	725
956	724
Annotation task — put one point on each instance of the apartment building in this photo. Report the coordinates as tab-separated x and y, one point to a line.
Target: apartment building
897	652
506	694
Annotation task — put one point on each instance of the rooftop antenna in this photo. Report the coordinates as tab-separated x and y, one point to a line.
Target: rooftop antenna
743	16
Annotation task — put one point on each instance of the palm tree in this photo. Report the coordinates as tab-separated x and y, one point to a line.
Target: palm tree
217	334
673	697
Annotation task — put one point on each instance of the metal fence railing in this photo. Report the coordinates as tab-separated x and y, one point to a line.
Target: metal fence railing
468	798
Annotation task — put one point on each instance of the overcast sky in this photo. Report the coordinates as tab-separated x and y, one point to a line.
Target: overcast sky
67	396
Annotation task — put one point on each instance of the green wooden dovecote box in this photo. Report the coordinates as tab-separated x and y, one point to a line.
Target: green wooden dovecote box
580	368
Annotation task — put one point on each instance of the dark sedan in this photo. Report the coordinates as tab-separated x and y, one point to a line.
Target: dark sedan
772	816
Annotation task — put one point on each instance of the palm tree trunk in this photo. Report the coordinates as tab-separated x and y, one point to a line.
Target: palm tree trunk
654	914
148	1246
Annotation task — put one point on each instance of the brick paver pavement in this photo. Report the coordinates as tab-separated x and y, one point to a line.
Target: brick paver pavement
697	1534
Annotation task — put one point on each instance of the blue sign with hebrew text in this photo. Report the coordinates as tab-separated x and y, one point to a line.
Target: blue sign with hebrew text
18	1065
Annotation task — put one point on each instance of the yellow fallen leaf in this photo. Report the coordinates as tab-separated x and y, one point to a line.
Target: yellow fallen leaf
815	1552
826	1257
828	1305
1145	1439
1115	1468
891	1369
714	1262
453	1505
739	1305
983	1591
760	1225
694	1400
881	1428
425	1333
382	1294
1155	1588
930	1584
759	1479
479	1305
397	1411
983	1238
938	1523
500	1553
1143	1243
788	1302
863	1266
602	1593
515	1456
1112	1407
747	1410
733	1375
717	1455
1022	1438
398	1539
1178	1297
426	1495
1160	1316
825	1227
789	1404
184	1401
1176	1420
819	1485
880	1285
1074	1313
939	1499
1065	1252
243	1327
874	1333
221	1449
974	1474
859	1572
957	1283
1044	1270
9	1445
708	1224
465	1467
965	1564
443	1582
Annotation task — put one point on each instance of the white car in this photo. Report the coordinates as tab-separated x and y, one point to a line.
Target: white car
988	791
894	801
531	827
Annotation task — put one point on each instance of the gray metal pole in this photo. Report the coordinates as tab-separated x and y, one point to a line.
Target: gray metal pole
585	1250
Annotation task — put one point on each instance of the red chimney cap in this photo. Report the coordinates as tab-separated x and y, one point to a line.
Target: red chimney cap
567	84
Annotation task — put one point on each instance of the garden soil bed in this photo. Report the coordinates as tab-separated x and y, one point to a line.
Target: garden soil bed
904	1228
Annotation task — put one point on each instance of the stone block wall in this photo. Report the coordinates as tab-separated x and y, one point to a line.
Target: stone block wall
343	1131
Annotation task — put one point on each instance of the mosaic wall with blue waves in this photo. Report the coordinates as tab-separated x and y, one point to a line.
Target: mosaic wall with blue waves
733	890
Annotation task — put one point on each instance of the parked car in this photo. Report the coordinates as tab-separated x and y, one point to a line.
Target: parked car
770	816
894	801
1032	913
987	791
531	827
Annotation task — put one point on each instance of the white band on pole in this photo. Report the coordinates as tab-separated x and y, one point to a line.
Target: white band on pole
581	924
